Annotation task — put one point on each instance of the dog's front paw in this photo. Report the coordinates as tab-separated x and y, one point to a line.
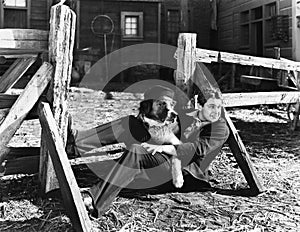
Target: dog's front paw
177	173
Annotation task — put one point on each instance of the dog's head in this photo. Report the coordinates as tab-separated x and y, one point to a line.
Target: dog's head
154	109
157	110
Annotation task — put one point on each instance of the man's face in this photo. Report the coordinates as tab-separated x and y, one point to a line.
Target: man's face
211	111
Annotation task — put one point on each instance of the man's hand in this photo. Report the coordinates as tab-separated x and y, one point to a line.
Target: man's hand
168	149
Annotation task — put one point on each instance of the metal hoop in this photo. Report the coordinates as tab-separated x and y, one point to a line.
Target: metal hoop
102	16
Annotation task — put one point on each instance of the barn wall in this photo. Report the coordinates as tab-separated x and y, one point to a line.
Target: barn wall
199	20
229	32
39	18
113	10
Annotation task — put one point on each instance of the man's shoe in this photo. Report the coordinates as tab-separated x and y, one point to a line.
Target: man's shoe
88	203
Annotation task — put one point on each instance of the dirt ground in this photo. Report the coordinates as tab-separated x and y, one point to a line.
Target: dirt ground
274	151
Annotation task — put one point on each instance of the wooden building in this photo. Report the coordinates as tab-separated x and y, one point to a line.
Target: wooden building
32	14
110	25
257	26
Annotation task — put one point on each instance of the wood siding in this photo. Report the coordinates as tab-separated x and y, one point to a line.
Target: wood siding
199	19
113	10
229	29
39	15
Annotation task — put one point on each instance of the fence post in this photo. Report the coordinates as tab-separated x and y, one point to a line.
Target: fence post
186	53
61	43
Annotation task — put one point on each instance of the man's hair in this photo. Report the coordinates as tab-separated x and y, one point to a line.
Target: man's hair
207	93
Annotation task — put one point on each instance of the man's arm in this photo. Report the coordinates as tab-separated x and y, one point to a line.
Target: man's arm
211	137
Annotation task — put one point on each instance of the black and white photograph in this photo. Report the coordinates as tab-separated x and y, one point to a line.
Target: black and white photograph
149	115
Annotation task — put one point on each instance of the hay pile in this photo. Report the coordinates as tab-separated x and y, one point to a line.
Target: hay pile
274	150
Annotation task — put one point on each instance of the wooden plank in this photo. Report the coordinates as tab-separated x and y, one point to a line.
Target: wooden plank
260	98
23	105
23	34
185	64
20	53
242	157
94	159
68	185
230	99
61	43
23	39
15	72
209	56
41	45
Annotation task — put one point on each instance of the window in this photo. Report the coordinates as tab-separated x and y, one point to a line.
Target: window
173	26
14	14
132	25
15	3
256	26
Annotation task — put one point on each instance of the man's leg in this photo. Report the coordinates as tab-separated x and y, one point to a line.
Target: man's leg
126	130
137	162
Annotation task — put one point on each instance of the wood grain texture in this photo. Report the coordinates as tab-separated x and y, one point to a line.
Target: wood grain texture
68	185
25	102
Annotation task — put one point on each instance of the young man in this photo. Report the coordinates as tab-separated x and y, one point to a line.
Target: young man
151	163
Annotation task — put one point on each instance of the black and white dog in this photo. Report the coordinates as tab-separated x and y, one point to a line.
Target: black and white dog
163	126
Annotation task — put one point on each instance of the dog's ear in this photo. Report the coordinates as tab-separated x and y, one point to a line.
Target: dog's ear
145	107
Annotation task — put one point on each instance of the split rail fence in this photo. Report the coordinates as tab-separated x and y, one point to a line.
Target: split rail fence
46	97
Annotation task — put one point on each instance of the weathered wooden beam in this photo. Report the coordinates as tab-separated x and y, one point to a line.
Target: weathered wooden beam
23	39
68	185
15	72
260	98
209	56
185	64
19	53
61	43
94	159
242	157
23	105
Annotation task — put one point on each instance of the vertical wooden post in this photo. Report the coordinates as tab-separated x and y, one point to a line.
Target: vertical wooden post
186	54
61	43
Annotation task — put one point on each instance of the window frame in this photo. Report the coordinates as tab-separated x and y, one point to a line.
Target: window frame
140	16
168	32
27	8
250	21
